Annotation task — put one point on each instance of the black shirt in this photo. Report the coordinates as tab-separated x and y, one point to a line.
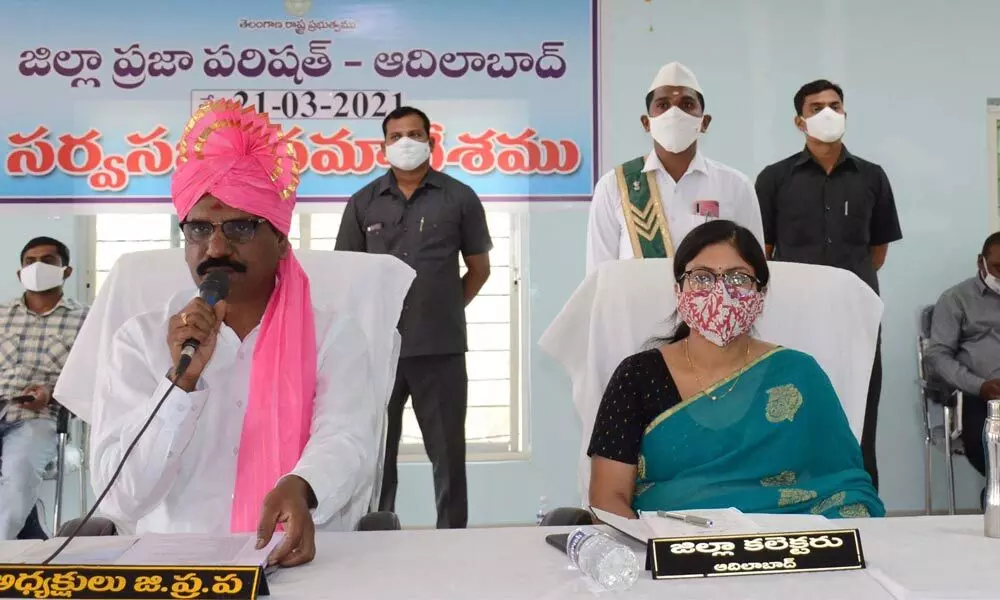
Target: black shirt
442	218
640	389
833	220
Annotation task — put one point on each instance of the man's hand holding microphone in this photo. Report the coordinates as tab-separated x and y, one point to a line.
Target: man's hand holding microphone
192	333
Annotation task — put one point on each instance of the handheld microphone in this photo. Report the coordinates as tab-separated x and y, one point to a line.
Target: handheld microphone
214	288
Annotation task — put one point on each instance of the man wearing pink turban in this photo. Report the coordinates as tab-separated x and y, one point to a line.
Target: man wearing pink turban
274	421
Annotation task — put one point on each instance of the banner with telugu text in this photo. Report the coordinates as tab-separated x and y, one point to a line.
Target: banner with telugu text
98	91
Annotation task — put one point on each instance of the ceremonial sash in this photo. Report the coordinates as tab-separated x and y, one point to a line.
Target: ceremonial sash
645	216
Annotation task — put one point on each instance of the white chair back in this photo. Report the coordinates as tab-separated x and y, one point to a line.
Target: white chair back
826	312
370	288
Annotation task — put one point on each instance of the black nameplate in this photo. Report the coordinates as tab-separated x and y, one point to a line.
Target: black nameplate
755	554
131	583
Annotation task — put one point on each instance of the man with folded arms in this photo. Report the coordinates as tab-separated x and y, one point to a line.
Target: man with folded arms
275	419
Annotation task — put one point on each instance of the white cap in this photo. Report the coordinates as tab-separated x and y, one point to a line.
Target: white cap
677	75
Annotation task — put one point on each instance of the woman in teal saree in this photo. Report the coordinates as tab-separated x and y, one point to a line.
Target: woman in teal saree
768	436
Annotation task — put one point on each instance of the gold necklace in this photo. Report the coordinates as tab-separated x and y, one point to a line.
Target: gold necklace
697	378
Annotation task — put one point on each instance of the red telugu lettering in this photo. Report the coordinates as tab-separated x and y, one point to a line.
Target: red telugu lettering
152	155
523	155
476	155
34	155
334	154
70	146
562	157
113	176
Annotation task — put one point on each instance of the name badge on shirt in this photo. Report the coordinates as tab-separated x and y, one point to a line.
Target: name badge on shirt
374	228
707	208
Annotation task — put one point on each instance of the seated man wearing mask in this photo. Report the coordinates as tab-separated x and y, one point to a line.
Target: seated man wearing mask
37	330
964	349
645	207
714	418
274	421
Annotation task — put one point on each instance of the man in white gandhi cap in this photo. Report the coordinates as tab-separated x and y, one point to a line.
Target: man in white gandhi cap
644	207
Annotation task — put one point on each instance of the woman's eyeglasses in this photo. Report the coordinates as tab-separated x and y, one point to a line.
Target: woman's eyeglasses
238	231
703	280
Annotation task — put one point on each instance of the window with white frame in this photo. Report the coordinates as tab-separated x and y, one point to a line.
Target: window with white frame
494	420
116	234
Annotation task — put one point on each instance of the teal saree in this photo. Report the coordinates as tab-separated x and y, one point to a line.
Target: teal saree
777	443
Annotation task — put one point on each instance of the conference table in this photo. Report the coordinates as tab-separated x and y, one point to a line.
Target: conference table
908	558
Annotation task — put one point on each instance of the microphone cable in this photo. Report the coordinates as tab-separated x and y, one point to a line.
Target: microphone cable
181	368
214	288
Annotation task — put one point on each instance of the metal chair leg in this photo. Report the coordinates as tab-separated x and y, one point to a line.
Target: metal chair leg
928	477
84	466
951	484
62	429
949	464
57	511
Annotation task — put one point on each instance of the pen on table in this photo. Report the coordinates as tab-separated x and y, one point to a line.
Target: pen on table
845	208
421	224
692	519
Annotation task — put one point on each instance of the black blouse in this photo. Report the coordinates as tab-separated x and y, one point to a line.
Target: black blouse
639	391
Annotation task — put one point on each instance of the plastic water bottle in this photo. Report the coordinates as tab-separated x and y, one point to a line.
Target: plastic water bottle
603	559
543	509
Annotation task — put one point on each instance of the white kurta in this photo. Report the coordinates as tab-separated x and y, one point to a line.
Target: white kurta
705	179
181	476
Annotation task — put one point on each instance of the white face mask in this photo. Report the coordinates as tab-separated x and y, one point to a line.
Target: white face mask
827	125
989	279
41	277
675	130
407	153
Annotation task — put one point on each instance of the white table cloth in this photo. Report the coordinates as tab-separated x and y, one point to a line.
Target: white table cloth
932	558
919	558
515	564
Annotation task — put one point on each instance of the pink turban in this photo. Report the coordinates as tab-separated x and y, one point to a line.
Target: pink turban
239	157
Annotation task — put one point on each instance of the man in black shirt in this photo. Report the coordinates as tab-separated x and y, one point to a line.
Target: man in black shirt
826	206
426	219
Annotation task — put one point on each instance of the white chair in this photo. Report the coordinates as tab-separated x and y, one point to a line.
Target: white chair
826	312
370	288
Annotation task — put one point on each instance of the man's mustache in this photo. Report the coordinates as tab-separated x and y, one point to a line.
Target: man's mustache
221	263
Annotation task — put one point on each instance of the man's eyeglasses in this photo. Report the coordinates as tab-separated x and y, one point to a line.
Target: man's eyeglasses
237	231
703	280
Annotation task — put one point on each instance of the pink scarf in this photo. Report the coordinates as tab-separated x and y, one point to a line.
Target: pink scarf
239	157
